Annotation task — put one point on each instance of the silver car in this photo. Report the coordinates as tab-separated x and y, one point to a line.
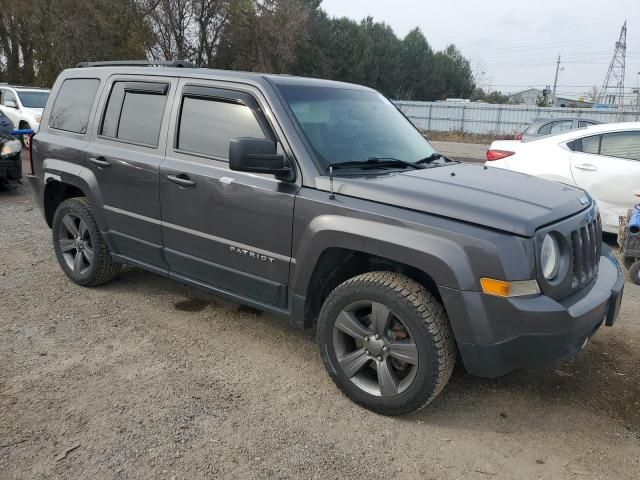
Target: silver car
551	126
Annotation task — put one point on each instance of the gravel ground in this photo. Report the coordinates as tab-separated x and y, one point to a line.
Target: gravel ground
146	378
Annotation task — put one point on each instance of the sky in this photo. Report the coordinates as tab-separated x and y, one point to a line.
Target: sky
513	45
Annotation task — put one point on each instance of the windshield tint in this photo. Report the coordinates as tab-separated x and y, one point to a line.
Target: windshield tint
33	99
345	125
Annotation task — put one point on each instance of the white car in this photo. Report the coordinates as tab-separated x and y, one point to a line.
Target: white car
604	160
23	106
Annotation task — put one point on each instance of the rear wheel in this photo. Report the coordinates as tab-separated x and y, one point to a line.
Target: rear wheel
79	246
386	342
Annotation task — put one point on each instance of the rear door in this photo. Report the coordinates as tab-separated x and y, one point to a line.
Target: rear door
226	229
608	167
126	149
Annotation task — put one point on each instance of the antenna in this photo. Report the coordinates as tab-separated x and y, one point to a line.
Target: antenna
612	91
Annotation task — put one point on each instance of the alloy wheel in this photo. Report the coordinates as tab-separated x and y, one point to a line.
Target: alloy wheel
375	349
75	244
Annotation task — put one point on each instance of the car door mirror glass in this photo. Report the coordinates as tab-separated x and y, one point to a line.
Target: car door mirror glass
10	104
258	155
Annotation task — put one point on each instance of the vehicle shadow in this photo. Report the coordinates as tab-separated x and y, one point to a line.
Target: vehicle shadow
602	379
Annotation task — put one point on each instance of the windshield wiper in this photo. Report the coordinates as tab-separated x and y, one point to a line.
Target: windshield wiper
433	157
371	162
374	162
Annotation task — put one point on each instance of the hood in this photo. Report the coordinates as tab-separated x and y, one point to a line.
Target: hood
491	197
33	111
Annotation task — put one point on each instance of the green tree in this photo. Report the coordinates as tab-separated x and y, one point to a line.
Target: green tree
451	76
416	61
383	67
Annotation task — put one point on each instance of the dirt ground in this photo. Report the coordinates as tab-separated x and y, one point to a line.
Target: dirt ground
146	378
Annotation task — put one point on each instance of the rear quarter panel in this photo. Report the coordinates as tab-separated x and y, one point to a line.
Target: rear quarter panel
545	158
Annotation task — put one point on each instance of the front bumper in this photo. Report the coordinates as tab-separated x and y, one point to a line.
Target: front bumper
11	167
497	335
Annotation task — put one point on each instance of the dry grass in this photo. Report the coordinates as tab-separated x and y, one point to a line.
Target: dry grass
464	137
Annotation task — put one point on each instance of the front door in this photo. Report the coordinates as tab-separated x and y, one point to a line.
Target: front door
9	106
608	167
125	154
221	228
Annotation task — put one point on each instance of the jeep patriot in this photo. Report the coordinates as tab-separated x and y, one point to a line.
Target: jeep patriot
320	202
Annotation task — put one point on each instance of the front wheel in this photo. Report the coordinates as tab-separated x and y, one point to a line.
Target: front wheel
79	246
386	342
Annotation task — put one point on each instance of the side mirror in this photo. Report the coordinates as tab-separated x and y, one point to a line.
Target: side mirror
10	104
258	155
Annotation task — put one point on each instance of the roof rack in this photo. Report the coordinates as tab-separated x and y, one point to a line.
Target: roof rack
138	63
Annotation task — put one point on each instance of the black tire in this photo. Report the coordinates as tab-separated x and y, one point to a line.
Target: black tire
628	261
412	310
16	172
72	247
634	272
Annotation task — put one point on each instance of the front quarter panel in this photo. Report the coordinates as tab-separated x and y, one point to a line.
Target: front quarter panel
454	254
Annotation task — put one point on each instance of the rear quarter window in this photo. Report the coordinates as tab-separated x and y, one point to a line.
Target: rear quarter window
72	106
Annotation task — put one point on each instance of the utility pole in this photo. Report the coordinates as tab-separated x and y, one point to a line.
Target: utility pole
555	83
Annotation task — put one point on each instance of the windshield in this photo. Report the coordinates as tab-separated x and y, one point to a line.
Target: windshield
344	125
33	99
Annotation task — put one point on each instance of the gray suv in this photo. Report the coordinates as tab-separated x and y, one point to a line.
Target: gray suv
319	201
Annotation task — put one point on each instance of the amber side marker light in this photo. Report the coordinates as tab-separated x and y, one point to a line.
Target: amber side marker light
501	288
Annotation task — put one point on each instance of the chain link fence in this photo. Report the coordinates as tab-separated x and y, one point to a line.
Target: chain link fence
484	118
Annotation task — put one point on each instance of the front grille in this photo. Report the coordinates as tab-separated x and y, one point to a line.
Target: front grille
586	244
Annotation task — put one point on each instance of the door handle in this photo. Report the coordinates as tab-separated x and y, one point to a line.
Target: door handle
587	166
99	162
182	179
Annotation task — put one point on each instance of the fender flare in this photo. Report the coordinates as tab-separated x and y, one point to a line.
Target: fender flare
444	260
81	178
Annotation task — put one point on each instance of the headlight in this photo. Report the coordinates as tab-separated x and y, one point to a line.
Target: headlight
549	257
10	148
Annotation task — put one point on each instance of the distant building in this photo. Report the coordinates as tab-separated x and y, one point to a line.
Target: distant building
572	102
532	96
526	97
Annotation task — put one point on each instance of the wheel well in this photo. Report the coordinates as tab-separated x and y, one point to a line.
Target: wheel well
54	194
336	265
22	124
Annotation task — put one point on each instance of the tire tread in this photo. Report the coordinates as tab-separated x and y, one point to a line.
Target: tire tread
106	268
426	306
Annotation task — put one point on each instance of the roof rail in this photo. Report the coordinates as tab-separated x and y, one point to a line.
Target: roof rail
138	63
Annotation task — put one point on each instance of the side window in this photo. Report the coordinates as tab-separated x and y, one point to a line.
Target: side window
9	96
591	144
621	144
546	129
134	112
207	125
584	123
71	109
562	126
